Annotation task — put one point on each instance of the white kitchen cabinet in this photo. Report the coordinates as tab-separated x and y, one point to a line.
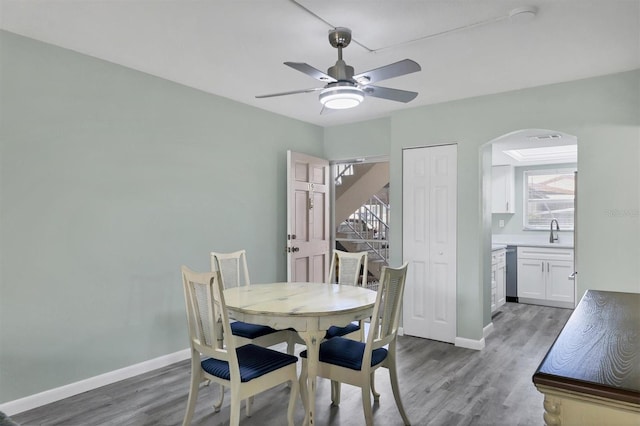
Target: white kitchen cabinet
559	286
543	276
502	193
498	279
531	278
494	268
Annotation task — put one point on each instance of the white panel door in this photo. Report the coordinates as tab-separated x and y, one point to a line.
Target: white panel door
429	241
308	221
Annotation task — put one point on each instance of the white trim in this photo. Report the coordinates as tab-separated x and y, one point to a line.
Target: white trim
52	395
546	302
477	345
361	160
400	331
487	330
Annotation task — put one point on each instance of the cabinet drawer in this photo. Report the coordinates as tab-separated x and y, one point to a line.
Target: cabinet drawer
545	253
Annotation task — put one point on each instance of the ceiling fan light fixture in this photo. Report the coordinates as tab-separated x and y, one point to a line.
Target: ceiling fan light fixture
344	89
341	97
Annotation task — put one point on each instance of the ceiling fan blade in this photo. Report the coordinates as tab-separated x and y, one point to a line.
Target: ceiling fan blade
406	66
311	71
293	92
390	94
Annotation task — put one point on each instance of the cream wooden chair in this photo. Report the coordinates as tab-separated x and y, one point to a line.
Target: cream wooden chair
235	273
352	362
247	370
345	269
348	266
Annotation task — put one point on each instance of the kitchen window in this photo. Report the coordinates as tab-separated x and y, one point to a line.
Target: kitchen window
549	194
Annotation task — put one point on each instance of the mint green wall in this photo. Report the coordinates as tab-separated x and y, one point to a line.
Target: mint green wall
513	223
351	141
604	114
110	179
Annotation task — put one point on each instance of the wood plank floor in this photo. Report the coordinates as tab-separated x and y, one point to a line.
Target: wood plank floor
440	384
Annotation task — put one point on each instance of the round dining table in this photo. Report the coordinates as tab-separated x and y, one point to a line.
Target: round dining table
309	308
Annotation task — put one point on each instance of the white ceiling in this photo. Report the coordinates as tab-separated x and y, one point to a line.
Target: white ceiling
236	49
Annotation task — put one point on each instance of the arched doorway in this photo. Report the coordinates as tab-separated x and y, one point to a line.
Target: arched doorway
529	182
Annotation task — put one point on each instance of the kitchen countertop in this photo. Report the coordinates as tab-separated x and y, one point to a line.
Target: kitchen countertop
538	239
495	247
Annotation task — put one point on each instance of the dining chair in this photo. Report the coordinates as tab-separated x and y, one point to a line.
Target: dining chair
345	269
247	370
346	266
235	273
353	362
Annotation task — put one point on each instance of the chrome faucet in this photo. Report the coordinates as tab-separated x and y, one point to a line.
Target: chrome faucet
554	237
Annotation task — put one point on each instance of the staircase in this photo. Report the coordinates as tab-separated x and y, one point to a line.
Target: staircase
357	185
362	212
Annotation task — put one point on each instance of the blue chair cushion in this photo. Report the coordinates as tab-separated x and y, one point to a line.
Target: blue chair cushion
334	331
250	331
347	353
254	361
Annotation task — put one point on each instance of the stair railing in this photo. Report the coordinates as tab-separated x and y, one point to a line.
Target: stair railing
370	226
342	170
379	211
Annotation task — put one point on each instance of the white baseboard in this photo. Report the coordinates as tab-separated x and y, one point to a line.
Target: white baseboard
37	400
477	345
545	302
487	330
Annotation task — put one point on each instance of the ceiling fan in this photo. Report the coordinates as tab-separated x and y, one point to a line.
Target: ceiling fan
343	89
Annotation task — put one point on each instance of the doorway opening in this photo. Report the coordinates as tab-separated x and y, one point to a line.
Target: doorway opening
529	201
361	211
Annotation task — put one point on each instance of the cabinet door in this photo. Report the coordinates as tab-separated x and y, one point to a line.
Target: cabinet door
531	278
501	284
559	286
502	189
493	287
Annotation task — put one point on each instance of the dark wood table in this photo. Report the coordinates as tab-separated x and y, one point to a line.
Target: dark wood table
591	374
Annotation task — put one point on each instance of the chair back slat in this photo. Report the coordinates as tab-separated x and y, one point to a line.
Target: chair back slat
393	290
386	313
232	267
348	266
204	314
207	316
